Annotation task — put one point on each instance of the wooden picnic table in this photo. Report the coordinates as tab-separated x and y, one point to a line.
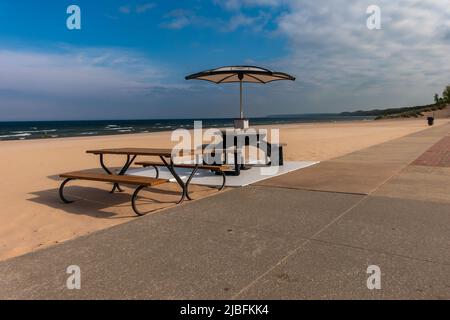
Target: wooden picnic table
166	156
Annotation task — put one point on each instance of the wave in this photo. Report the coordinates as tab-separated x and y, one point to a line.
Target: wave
16	135
35	131
120	128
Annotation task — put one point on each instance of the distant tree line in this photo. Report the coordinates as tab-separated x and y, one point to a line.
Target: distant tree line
406	112
445	97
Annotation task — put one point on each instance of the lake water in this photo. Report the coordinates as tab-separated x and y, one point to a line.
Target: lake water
57	129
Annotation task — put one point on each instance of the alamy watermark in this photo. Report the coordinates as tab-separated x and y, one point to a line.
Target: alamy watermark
374	280
374	19
73	282
73	22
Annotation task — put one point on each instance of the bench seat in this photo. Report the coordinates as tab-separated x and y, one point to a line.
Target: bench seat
218	169
187	166
141	182
104	177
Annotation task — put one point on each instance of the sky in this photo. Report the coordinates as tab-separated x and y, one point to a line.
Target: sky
129	59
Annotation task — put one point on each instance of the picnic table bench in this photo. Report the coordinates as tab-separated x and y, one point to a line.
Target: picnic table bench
141	182
220	169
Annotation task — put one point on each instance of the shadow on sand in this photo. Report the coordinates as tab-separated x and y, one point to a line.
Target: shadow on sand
98	202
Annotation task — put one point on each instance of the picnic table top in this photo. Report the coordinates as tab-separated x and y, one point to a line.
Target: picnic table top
164	152
233	132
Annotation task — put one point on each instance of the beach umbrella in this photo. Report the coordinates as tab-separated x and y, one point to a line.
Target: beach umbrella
240	74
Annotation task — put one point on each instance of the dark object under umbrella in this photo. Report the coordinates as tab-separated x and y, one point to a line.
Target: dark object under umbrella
240	74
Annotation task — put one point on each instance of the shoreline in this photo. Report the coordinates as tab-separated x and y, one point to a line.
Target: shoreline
269	126
164	132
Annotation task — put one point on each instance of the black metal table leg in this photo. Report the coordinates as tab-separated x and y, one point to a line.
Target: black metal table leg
124	169
133	201
61	191
103	165
237	165
189	180
121	172
280	156
180	182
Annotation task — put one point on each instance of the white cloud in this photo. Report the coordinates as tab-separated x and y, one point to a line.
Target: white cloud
144	7
99	72
181	18
238	4
178	19
333	51
77	83
256	23
140	8
125	9
340	64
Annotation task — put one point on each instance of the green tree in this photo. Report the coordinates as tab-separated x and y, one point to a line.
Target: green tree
436	98
446	94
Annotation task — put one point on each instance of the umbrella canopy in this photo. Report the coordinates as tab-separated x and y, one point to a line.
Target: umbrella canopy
240	74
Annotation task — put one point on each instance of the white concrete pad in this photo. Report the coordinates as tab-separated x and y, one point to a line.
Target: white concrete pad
207	178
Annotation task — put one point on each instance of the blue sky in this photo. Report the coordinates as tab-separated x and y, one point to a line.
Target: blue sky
130	57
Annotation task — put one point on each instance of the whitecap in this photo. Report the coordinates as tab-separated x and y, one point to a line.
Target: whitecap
120	128
16	135
34	131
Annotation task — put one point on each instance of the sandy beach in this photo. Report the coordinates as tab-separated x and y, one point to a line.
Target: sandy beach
32	216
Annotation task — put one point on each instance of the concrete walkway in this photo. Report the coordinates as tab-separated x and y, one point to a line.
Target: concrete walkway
306	235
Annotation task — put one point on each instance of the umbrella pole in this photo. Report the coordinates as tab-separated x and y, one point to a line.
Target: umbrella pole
242	108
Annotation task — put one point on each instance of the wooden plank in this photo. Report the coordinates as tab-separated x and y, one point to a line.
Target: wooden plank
164	152
190	166
103	177
134	151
